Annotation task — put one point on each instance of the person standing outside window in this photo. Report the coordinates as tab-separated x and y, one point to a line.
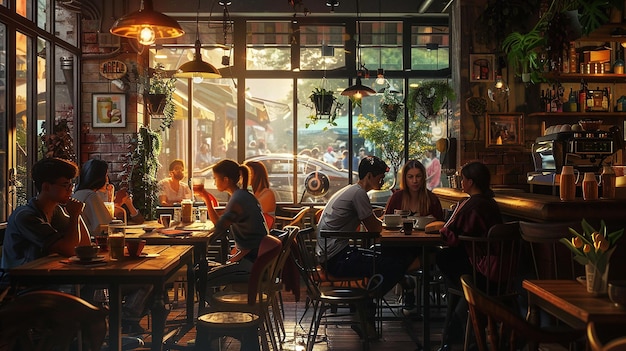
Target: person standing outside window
173	189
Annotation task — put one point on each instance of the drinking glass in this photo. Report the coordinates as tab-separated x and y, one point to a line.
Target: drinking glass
111	208
117	234
165	220
197	184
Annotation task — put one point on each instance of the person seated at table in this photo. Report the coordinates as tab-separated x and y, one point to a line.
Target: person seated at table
413	196
93	178
261	188
346	210
49	223
472	217
242	216
173	190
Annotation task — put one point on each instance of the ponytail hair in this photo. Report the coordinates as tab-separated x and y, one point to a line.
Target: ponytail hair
245	174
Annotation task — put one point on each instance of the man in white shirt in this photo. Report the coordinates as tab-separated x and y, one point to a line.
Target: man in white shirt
172	189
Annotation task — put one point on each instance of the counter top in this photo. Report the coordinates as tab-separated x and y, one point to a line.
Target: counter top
543	208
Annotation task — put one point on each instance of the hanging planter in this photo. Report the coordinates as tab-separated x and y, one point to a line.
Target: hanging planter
391	105
325	104
155	104
430	97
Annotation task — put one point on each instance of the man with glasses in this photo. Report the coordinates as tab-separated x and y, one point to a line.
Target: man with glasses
51	221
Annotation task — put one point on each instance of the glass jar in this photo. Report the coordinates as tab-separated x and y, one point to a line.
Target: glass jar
590	186
567	187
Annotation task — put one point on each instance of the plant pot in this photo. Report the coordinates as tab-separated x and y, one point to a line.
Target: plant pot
155	103
391	111
526	77
323	103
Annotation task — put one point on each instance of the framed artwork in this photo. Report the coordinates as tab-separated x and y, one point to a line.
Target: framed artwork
482	68
504	129
90	38
109	110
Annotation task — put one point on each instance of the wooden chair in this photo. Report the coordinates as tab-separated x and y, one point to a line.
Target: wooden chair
234	297
244	321
548	258
324	296
498	249
505	328
606	337
50	320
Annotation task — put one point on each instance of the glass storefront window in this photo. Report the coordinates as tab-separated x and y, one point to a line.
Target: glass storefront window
22	8
24	131
381	43
268	46
430	48
4	143
43	14
321	47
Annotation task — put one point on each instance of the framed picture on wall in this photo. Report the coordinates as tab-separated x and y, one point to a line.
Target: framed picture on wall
109	110
482	68
504	129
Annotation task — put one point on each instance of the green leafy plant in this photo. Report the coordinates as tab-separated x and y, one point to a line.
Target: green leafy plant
593	246
159	88
429	98
325	104
391	104
140	171
60	142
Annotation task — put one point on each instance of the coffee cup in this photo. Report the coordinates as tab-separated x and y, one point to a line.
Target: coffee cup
393	220
135	247
422	221
86	252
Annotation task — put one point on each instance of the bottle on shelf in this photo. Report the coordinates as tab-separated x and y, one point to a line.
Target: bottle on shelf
582	97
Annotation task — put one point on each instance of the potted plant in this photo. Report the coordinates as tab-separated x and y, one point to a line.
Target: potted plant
391	104
158	93
60	143
429	97
325	104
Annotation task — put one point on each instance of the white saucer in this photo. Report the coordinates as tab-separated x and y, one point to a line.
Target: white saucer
391	227
149	255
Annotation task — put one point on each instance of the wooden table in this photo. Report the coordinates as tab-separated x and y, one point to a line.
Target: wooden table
155	271
199	239
569	301
418	238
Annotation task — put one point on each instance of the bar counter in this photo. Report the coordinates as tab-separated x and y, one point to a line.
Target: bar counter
519	205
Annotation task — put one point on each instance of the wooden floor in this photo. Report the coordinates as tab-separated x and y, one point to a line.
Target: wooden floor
402	334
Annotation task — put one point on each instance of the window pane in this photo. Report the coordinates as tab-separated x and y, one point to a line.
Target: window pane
430	48
268	46
66	24
23	8
381	44
3	129
43	12
42	96
321	47
24	130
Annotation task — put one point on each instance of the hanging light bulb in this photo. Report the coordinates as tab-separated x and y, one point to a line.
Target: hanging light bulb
146	25
499	91
146	36
380	76
197	79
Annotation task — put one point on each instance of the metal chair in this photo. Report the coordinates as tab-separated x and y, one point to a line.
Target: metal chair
606	338
245	321
50	320
324	296
505	328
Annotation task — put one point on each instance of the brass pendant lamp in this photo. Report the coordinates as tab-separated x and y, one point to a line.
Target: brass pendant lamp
197	68
146	25
358	90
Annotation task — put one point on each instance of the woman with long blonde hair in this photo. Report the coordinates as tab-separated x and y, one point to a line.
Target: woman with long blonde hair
413	196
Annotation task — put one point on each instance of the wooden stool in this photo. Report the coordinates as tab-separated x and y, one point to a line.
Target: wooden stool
240	325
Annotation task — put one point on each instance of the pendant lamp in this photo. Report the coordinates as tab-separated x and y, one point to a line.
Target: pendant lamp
146	25
197	68
358	90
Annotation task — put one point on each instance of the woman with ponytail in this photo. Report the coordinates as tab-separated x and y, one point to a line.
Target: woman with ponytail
242	216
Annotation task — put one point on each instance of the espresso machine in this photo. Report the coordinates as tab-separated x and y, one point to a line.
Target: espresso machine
584	150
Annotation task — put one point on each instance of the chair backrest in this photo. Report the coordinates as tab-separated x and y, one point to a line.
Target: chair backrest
47	320
487	312
549	258
606	337
288	241
262	269
304	258
495	257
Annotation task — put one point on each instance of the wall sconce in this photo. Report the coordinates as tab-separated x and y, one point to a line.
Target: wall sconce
146	25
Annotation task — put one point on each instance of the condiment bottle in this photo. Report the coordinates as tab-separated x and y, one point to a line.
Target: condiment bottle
590	186
607	180
567	186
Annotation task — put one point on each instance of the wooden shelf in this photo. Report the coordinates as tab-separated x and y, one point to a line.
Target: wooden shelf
579	114
576	77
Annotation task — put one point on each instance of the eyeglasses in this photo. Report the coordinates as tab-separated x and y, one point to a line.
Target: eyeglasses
66	185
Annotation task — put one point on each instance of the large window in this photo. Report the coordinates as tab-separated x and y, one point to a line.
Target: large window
264	110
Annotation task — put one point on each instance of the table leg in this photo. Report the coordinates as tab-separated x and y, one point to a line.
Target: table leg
191	289
158	318
115	317
426	298
532	317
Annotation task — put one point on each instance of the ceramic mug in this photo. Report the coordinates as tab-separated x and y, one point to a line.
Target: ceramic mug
422	221
392	220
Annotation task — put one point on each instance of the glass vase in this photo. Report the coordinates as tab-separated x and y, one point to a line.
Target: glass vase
597	281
